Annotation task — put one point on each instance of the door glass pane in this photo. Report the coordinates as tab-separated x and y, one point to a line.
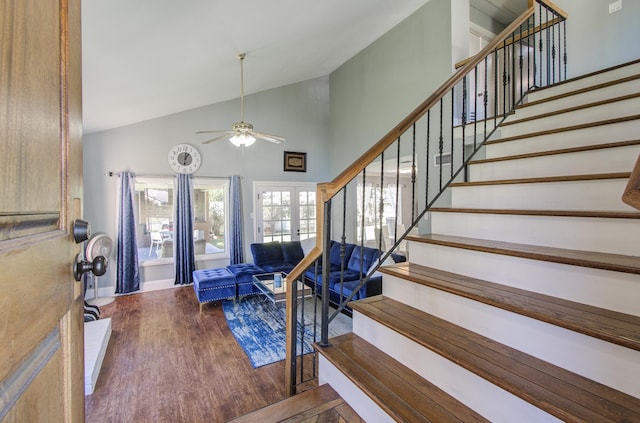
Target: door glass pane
307	214
276	216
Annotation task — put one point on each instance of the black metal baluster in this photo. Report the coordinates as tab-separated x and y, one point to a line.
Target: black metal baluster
398	183
441	145
495	91
521	63
475	106
324	331
512	77
541	46
427	168
535	68
378	224
504	77
299	326
558	25
546	20
564	26
453	101
413	178
529	54
485	94
464	122
364	183
553	49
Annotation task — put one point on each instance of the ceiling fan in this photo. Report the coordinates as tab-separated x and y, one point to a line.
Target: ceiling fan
242	133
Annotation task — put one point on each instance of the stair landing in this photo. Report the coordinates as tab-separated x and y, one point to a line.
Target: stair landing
321	404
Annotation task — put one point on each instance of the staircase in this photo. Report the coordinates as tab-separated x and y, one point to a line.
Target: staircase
523	304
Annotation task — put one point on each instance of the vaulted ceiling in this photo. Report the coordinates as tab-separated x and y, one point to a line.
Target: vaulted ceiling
148	58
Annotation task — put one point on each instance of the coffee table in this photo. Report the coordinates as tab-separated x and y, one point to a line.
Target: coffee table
277	294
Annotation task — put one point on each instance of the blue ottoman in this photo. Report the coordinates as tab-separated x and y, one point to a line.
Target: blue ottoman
214	285
244	273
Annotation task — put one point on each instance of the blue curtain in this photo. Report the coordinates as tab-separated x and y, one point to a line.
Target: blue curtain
184	255
236	248
128	275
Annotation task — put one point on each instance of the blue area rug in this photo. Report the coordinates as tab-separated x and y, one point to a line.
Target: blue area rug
259	327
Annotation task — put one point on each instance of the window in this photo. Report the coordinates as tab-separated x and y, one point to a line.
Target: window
155	214
210	211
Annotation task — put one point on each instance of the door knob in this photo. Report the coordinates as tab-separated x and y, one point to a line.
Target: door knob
98	266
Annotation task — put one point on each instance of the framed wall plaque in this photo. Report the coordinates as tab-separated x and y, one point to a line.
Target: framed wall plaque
295	162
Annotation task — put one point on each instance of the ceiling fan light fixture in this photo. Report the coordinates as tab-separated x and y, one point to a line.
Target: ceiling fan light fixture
242	133
242	140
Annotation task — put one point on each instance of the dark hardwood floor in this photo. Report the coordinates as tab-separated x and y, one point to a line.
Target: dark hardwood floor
166	362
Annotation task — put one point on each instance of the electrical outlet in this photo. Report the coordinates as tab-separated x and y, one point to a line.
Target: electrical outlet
615	6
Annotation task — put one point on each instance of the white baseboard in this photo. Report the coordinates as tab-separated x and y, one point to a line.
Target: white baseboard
108	291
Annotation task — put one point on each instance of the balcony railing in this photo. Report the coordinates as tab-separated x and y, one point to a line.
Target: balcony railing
386	194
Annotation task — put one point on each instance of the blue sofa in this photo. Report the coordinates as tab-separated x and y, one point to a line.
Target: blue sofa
347	265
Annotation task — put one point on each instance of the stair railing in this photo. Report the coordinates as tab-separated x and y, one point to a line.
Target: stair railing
406	173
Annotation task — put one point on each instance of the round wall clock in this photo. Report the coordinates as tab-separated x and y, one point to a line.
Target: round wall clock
184	158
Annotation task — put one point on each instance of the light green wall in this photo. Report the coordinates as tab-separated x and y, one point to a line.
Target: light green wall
597	39
379	86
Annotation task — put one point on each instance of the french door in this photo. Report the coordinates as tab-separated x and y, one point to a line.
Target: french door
284	211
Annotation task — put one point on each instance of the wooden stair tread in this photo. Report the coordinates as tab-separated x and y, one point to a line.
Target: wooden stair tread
567	178
572	109
399	391
565	129
608	325
554	152
579	91
559	392
604	261
564	213
322	402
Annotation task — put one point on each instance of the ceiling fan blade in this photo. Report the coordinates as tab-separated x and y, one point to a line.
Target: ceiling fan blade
218	138
268	137
212	132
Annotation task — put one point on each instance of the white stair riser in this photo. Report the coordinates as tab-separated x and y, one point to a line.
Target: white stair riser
596	287
358	400
615	110
96	339
606	160
578	353
618	90
601	195
570	86
602	134
487	399
617	236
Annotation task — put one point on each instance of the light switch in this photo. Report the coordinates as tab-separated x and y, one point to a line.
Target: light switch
615	6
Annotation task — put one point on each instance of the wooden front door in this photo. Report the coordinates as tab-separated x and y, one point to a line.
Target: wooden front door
41	313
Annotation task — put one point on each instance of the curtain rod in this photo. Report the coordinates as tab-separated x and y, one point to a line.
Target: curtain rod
117	174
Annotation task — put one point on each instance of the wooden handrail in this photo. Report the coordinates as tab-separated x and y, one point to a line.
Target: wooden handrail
326	191
631	195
